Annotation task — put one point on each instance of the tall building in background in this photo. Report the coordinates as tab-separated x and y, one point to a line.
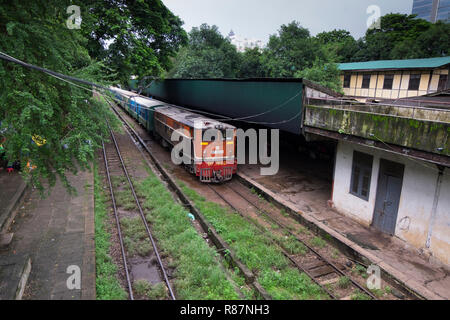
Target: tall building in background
244	43
432	10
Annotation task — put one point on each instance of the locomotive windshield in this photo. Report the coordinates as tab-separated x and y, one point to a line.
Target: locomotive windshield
210	135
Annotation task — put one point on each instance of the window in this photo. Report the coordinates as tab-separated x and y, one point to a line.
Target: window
347	78
442	82
388	80
366	81
414	82
361	174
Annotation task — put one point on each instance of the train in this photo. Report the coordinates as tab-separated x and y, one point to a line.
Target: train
210	151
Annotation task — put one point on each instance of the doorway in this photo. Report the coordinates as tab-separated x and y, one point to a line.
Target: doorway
390	181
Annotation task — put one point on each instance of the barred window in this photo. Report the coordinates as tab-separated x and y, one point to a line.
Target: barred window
366	81
361	175
414	82
347	78
388	80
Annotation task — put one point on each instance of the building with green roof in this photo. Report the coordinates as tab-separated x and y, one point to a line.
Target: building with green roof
394	79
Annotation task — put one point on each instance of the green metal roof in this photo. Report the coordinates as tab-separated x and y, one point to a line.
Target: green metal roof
396	64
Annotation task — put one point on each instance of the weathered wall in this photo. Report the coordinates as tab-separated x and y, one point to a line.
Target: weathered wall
425	135
414	213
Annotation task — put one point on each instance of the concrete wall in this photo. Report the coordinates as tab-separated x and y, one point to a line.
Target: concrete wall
414	214
424	135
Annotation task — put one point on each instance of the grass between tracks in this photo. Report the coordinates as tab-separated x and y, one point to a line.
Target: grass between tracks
107	284
257	252
198	274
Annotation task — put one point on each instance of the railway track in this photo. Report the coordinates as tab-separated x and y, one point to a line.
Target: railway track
216	240
115	157
320	269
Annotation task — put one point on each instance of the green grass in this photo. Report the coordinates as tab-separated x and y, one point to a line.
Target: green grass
125	199
154	292
335	254
257	252
378	292
284	213
388	290
107	284
344	282
135	236
357	295
303	230
198	274
116	181
318	242
361	270
293	246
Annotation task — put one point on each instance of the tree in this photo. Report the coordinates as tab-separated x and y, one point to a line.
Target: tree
207	55
394	29
324	73
338	44
434	42
251	64
293	49
46	122
132	37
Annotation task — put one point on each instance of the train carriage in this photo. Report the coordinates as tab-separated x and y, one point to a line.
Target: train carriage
211	155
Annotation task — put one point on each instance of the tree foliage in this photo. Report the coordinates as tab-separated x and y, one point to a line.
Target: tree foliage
402	36
207	55
136	38
293	52
325	73
48	123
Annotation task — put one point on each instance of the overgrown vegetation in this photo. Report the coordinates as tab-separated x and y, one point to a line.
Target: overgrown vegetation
107	284
358	295
360	270
153	292
56	126
318	242
344	282
135	236
198	274
257	252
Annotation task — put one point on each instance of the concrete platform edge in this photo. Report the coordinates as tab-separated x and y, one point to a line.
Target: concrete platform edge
350	247
88	273
14	204
23	279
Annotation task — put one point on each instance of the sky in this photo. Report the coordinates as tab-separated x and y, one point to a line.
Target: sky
258	19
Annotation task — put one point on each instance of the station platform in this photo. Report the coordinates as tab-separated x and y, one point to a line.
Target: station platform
49	236
301	188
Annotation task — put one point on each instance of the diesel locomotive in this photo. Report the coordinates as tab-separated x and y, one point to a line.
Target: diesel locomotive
209	146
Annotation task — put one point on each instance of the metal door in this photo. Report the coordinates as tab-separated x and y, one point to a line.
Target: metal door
390	180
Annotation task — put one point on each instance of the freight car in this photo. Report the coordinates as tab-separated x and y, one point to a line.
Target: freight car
212	143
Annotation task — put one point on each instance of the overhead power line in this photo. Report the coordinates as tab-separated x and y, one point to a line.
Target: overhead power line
70	80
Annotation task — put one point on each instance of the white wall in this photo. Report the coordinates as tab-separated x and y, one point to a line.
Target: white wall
416	200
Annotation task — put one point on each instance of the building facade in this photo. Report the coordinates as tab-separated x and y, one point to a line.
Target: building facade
244	43
432	10
394	79
395	194
392	167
